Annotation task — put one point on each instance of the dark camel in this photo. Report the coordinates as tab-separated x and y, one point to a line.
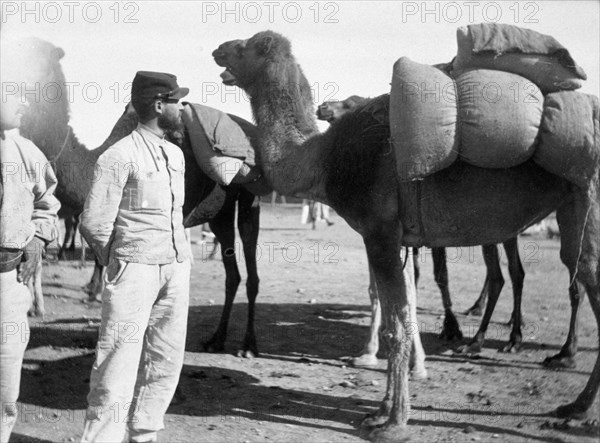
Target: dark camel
332	111
351	168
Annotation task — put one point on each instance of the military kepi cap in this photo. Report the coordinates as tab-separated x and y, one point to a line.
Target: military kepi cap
148	85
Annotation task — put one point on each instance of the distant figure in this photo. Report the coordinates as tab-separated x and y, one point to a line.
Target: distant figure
313	211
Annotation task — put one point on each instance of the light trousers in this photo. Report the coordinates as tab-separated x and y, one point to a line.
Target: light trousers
140	350
15	301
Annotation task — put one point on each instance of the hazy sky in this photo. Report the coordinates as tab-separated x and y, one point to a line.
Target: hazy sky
345	48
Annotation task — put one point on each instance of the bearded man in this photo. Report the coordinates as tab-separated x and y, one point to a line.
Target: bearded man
133	220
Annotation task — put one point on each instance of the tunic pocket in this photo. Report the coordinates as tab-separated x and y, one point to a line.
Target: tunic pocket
150	191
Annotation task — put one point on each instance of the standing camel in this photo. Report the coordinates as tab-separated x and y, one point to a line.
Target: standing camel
46	124
332	111
351	168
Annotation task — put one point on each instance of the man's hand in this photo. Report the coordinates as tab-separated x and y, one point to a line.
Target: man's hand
32	254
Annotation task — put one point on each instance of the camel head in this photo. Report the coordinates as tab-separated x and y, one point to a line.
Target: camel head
245	61
35	69
32	61
333	110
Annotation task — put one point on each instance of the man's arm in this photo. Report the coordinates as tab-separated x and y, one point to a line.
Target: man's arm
44	217
102	204
45	206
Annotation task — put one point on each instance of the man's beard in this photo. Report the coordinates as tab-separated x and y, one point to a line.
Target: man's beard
173	127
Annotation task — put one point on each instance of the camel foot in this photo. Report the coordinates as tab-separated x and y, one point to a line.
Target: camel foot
36	311
92	297
374	420
247	353
418	374
571	410
560	361
364	361
389	433
511	347
93	291
471	348
451	329
214	345
474	310
451	335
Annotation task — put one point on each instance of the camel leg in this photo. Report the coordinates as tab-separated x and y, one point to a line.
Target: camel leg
582	215
393	284
416	266
479	305
95	287
313	216
69	239
35	287
83	248
368	355
451	328
416	364
517	276
248	225
566	357
222	226
496	282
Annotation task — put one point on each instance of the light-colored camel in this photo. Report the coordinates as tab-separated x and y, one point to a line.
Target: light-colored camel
46	124
351	168
332	111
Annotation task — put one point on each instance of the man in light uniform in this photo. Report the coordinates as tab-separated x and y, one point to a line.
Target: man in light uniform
133	221
28	218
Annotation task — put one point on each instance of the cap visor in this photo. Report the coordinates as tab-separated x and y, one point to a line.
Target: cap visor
180	93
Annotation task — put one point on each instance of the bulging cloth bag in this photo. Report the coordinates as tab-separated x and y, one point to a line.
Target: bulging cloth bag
487	118
222	144
569	137
537	57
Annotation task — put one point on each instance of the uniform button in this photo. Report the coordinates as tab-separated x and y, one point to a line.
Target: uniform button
144	204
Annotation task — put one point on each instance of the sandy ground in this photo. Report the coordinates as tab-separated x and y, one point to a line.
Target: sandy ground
313	312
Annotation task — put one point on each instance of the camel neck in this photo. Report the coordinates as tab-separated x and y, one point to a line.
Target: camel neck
284	113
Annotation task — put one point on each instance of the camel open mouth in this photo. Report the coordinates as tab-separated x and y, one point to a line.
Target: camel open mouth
228	78
324	113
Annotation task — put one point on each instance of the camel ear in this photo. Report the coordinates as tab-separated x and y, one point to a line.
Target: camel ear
265	45
58	53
